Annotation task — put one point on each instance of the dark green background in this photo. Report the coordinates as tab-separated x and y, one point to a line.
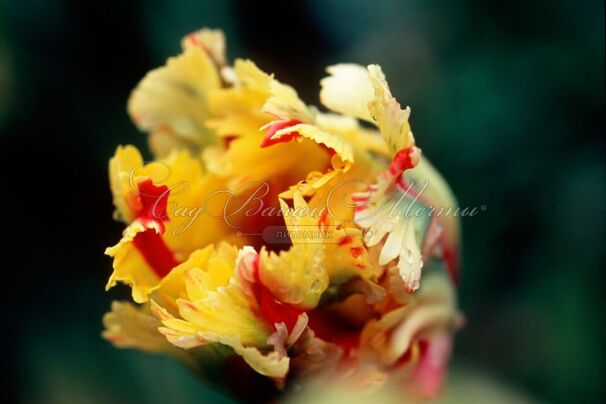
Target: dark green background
507	100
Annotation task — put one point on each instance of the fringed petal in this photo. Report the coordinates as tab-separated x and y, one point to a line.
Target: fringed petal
170	102
347	90
387	113
211	41
129	326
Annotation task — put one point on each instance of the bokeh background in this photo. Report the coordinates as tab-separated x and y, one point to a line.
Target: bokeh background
507	100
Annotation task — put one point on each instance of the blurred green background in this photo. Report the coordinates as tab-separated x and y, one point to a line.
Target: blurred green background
507	100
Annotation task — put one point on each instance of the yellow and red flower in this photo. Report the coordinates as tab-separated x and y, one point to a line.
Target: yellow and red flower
278	234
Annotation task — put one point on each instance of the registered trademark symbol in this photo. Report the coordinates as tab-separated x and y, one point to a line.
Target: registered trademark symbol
483	208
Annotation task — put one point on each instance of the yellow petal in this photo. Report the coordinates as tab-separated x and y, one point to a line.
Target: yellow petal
432	309
128	326
297	277
322	254
246	162
237	109
121	166
195	201
193	214
347	90
363	93
284	103
174	285
211	298
382	211
188	335
130	267
250	76
387	113
179	172
316	180
211	41
170	101
272	364
410	261
341	146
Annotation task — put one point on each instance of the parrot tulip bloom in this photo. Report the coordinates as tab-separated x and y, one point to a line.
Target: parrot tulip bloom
274	235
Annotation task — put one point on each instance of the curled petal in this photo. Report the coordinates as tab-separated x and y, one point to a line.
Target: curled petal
236	110
363	93
170	102
186	335
284	103
347	90
128	326
316	180
426	380
211	41
387	113
432	309
250	76
162	201
132	267
322	254
120	166
244	162
340	146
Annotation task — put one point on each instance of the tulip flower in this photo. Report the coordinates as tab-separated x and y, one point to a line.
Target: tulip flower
272	240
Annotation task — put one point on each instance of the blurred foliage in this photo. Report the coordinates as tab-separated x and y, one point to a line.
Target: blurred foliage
507	100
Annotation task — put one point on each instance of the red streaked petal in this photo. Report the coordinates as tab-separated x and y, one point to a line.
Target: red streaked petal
154	200
276	126
403	160
155	252
429	373
152	214
271	309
